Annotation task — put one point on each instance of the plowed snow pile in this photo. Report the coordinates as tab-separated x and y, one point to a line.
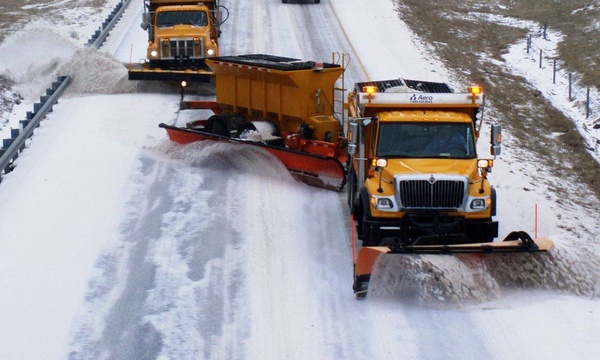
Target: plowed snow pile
98	72
561	269
35	56
31	58
8	97
462	279
246	160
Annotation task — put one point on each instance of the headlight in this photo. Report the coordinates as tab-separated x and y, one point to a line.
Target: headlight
379	162
383	203
153	53
485	163
478	204
210	52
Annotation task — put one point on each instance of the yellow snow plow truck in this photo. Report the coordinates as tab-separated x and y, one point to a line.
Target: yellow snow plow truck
181	35
415	181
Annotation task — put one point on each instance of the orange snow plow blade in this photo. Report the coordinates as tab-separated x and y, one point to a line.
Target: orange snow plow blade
515	242
142	72
313	168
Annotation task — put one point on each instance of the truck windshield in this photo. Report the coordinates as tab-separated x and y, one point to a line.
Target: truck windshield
171	18
418	140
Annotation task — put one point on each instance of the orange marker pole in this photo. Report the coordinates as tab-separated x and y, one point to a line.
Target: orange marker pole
130	56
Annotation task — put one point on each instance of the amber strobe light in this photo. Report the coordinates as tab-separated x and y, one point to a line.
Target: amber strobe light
475	91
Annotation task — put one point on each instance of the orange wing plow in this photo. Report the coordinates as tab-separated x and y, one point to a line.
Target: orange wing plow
517	241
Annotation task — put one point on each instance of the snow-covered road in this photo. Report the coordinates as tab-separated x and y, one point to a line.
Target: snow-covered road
118	244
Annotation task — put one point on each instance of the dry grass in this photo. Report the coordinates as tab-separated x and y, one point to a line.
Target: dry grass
460	41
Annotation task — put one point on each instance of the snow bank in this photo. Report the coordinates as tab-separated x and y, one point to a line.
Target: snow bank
8	97
34	57
96	72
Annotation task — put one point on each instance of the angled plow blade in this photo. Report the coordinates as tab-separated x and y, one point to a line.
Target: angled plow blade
316	170
139	72
515	242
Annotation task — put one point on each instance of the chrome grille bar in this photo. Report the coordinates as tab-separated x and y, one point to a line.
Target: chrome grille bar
422	194
182	48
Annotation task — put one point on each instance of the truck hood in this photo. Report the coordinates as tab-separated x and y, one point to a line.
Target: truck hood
179	31
431	166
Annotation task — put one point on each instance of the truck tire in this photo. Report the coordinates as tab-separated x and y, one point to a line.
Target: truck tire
217	125
245	126
368	234
225	125
493	202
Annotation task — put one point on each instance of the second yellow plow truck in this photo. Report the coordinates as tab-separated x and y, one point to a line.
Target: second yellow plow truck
415	181
182	34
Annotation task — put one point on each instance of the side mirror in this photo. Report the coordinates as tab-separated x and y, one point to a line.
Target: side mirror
145	21
496	140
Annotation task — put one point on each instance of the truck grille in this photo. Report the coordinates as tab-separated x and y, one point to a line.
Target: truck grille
424	194
181	48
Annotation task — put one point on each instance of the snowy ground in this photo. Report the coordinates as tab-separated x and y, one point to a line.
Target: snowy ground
116	243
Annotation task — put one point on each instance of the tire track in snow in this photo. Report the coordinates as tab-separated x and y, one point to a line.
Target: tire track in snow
415	299
111	321
284	317
346	323
170	286
199	312
237	31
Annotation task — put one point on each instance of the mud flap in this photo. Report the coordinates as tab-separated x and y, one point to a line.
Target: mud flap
363	266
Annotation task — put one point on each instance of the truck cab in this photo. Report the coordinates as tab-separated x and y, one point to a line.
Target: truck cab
181	33
414	175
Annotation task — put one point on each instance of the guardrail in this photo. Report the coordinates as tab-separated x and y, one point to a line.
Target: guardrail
12	147
100	35
16	143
